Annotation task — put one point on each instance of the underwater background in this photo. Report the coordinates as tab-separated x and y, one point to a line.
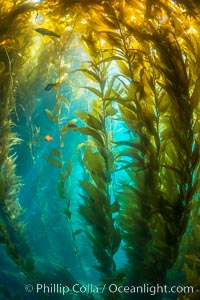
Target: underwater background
99	149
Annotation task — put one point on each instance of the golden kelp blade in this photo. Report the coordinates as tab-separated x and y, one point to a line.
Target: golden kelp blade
45	31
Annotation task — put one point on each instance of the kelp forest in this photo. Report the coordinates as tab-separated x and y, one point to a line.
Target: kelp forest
99	149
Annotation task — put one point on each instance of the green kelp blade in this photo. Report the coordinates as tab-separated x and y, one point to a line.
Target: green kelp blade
110	162
113	38
110	111
92	238
68	213
93	90
80	146
47	32
95	164
108	21
110	92
51	116
133	153
56	152
88	214
93	216
89	74
100	182
53	161
94	193
91	120
131	144
94	122
67	128
68	169
124	68
172	168
88	131
61	188
82	115
116	240
64	100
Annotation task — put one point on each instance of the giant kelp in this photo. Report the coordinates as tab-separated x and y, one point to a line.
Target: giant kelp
98	207
147	110
159	144
14	86
153	94
99	203
12	226
140	111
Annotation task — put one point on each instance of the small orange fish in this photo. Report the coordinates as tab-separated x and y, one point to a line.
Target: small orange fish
48	138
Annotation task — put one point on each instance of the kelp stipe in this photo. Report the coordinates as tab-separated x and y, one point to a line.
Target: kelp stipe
99	205
56	158
12	228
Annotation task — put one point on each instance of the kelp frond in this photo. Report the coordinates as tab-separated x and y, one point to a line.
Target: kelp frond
98	206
